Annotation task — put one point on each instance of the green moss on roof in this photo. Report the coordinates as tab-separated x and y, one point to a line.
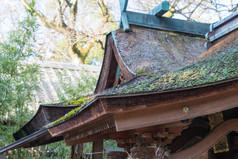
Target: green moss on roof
82	101
219	67
77	101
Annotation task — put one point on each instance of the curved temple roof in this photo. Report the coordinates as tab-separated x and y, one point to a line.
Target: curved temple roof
152	51
165	59
216	68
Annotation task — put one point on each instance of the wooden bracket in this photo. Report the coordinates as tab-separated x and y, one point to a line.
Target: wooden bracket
155	20
168	24
123	5
160	9
124	20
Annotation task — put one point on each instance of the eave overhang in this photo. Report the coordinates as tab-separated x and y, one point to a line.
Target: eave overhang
34	132
142	110
24	141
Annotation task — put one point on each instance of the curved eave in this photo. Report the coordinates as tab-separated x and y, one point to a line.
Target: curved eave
142	110
111	60
24	141
103	71
44	115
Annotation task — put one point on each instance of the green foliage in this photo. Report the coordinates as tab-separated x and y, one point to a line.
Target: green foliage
110	145
74	91
95	54
17	81
74	94
56	151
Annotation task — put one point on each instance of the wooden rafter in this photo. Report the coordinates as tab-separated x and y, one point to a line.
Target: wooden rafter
168	24
165	112
160	9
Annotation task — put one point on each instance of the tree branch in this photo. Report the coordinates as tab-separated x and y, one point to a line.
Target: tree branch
104	11
60	14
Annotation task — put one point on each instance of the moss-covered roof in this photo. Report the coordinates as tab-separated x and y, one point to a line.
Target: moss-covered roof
81	102
220	63
221	66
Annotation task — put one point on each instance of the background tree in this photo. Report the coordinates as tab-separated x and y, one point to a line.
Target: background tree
17	80
65	18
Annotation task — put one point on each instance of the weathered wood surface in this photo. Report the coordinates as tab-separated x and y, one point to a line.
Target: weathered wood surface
212	138
157	108
91	112
44	115
97	148
126	73
108	61
168	24
223	144
160	9
100	127
203	103
112	59
156	52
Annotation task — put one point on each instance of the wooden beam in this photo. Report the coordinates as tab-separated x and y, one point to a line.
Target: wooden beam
211	139
97	148
168	24
173	111
222	27
124	20
215	120
224	32
160	9
123	5
225	20
97	128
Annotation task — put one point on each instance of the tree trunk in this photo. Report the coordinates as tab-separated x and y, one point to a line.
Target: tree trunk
74	55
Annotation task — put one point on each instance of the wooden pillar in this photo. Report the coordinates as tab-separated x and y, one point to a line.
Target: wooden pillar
97	147
76	151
